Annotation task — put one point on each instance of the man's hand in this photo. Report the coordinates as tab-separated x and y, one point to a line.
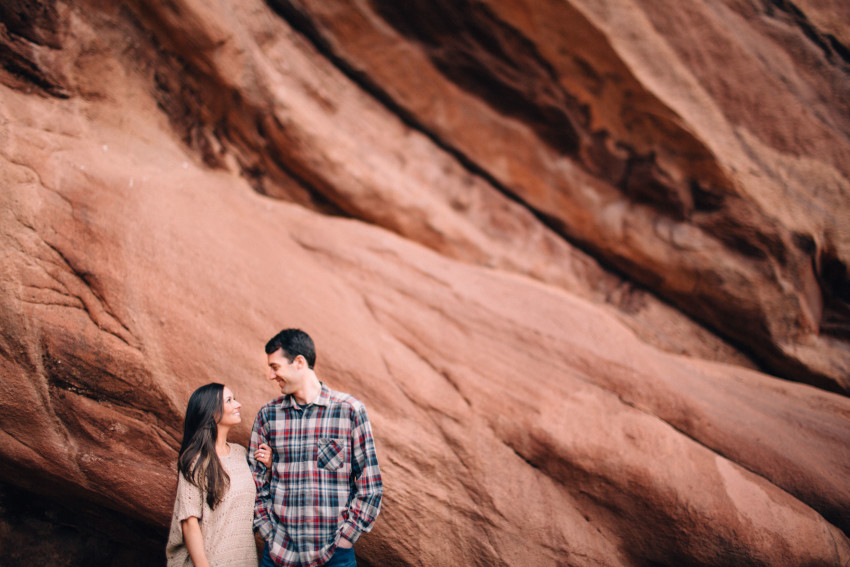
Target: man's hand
344	543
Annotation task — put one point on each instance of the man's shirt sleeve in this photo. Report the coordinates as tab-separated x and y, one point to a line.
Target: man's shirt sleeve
367	486
263	504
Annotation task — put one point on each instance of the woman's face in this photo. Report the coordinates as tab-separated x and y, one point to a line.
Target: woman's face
230	414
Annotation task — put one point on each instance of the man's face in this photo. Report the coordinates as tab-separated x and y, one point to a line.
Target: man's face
287	374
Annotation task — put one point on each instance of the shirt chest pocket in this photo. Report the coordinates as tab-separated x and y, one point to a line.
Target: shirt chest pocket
330	454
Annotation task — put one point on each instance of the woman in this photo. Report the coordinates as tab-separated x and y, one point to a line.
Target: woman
213	513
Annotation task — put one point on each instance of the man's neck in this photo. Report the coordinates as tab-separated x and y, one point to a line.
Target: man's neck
309	392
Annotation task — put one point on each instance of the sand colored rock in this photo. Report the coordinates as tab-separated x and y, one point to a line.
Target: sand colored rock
535	245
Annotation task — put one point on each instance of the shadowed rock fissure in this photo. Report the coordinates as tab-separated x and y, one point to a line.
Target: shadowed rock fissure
523	109
302	23
35	21
77	377
835	281
491	60
29	72
830	45
25	26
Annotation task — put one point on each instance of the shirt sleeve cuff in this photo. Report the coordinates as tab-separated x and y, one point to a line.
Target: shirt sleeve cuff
350	533
264	528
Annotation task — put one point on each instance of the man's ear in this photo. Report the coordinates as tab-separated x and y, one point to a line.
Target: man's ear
300	362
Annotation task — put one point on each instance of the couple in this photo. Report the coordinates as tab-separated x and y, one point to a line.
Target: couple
310	488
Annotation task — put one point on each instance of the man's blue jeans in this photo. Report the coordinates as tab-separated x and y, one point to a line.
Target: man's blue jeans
341	558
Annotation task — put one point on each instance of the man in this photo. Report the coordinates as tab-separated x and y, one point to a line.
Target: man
323	489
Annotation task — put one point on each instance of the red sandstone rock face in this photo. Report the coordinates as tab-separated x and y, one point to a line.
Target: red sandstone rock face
628	126
527	236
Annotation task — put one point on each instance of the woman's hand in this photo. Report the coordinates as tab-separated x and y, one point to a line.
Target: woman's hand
263	454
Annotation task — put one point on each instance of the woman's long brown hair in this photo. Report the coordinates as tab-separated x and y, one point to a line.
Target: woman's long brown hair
197	460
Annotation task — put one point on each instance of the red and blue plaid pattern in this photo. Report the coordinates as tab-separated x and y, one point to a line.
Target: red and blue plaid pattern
324	481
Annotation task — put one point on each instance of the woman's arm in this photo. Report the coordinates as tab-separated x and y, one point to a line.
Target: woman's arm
194	541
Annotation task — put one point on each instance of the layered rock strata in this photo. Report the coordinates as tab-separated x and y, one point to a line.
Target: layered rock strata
554	247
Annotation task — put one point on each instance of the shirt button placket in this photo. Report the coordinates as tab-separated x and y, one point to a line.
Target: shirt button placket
304	434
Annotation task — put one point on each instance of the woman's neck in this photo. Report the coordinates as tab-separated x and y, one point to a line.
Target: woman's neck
221	447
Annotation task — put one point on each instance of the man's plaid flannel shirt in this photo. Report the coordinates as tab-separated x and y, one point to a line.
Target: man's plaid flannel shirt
324	481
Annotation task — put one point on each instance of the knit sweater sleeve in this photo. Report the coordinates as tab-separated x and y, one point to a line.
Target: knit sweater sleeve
189	500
